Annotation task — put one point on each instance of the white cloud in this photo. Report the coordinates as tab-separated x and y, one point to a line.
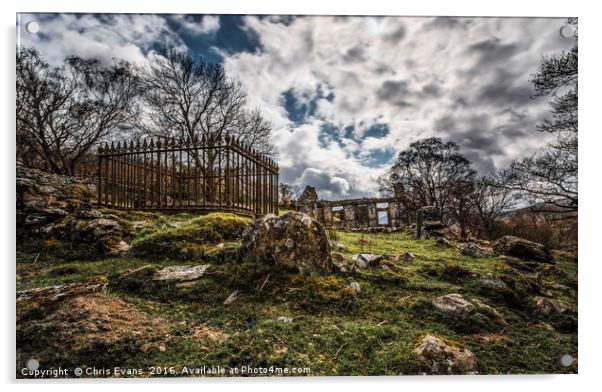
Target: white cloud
121	36
209	24
465	80
408	73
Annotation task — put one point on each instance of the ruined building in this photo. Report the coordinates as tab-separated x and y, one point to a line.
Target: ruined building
353	213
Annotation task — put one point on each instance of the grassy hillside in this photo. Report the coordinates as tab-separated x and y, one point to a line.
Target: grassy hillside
284	319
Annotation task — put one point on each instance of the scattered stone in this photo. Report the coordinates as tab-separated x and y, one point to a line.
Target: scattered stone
232	297
355	286
523	249
549	306
181	273
366	260
285	319
454	304
489	280
474	250
293	240
442	357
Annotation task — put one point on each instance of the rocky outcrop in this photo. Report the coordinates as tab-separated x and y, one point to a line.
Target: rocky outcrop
441	357
473	249
59	208
293	240
523	249
44	198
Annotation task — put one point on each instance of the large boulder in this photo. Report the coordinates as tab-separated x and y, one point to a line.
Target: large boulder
293	240
442	357
523	249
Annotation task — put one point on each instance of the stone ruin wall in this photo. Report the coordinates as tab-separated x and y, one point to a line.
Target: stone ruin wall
353	213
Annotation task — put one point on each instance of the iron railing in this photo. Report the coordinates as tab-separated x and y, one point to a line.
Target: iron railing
185	175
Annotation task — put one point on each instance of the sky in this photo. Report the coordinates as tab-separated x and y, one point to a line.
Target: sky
346	94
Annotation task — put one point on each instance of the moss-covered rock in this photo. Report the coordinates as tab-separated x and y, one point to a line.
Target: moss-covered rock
293	240
192	239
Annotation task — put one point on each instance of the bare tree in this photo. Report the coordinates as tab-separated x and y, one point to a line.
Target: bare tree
491	199
189	99
550	177
430	172
63	112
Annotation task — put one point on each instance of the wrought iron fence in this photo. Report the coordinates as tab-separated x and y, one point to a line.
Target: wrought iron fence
224	175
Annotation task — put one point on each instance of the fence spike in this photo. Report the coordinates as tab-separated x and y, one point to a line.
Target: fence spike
158	142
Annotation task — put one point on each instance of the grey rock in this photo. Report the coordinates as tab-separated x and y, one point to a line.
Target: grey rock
454	304
472	249
523	249
181	273
293	240
442	357
355	286
489	280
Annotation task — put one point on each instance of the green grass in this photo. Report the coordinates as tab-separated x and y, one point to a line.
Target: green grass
333	330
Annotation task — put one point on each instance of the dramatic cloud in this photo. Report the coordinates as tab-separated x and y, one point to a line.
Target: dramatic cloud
347	94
